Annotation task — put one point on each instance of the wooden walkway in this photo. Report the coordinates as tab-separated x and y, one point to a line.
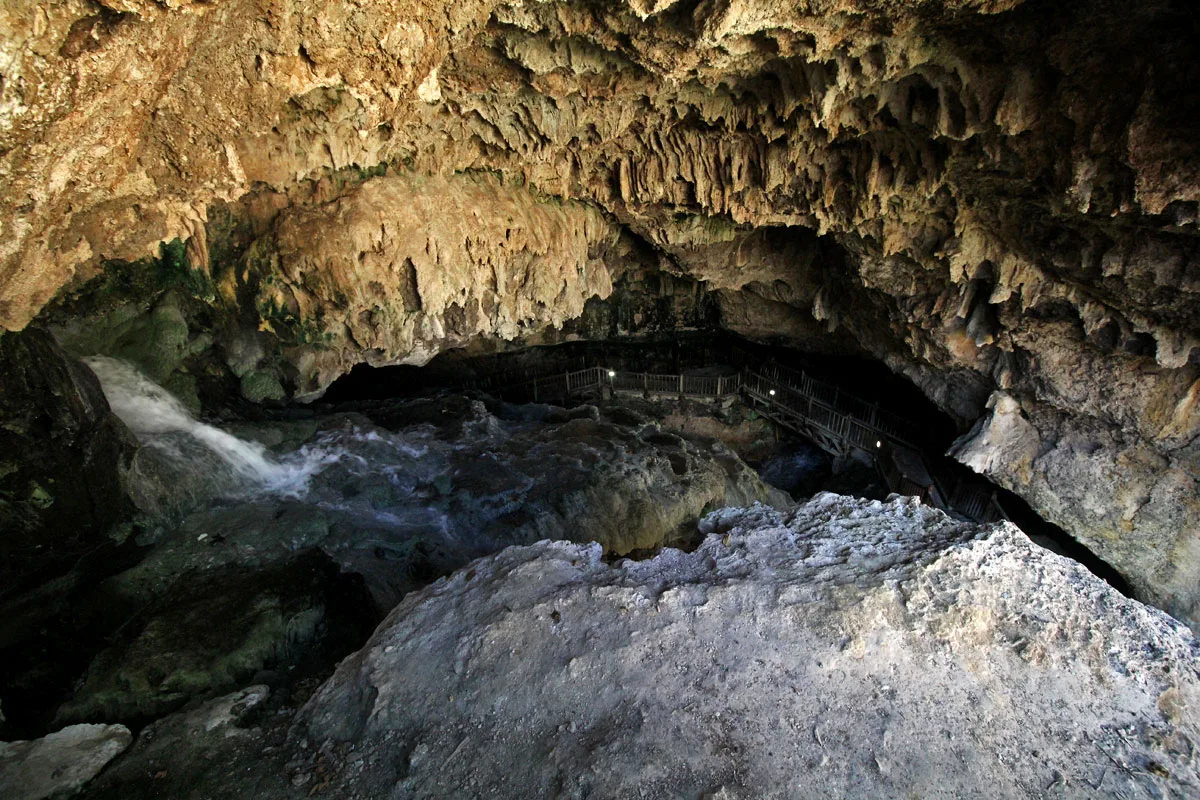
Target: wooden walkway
836	421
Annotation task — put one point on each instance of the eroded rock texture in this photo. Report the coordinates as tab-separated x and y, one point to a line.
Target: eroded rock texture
59	764
846	648
997	198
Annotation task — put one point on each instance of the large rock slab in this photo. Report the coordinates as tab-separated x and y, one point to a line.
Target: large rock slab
848	648
1128	502
58	765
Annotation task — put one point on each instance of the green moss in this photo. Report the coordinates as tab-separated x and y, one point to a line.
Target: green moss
156	342
213	633
259	385
261	259
39	498
138	310
184	387
289	327
261	267
229	236
147	277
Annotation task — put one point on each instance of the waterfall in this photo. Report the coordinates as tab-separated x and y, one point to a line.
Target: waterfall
159	419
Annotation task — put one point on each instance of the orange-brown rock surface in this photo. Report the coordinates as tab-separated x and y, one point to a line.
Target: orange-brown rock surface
997	198
401	267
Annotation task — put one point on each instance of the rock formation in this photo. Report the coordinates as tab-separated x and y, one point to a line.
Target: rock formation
844	648
996	198
59	764
270	579
62	454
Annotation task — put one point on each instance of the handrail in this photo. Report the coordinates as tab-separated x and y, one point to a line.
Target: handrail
813	407
674	384
889	424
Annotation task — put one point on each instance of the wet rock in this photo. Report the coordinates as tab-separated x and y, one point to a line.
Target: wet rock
61	457
209	633
448	480
59	764
259	385
269	582
225	747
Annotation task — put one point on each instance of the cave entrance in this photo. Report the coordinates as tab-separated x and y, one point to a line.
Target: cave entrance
805	422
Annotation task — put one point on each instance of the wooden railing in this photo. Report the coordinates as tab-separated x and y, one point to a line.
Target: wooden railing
594	380
675	385
834	419
835	422
977	502
883	422
549	388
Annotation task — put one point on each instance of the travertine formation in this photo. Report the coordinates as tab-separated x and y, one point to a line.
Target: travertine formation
401	267
997	198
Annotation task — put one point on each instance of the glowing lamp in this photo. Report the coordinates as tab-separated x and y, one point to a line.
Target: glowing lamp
612	373
878	443
771	392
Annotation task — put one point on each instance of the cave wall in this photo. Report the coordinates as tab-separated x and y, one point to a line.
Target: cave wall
63	457
996	198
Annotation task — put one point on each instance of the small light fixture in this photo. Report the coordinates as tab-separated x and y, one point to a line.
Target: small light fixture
772	393
612	373
878	443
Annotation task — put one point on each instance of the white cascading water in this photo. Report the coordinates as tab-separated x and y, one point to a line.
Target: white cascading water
152	412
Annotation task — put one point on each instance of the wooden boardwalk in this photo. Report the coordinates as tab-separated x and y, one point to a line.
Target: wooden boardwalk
838	422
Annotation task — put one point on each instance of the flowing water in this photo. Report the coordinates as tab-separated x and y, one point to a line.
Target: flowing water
160	421
798	468
386	485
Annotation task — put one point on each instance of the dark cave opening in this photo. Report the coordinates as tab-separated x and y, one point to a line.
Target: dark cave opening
685	352
793	463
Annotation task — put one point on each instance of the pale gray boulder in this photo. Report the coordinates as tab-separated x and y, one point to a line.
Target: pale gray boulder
58	765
